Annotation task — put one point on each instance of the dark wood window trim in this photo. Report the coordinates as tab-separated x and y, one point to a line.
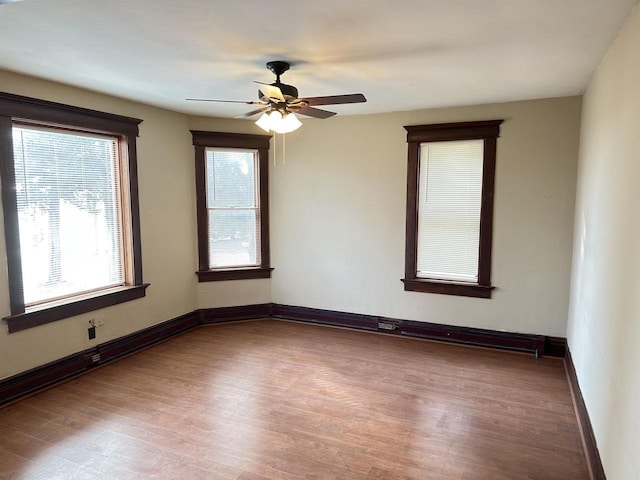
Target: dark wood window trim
19	109
233	274
202	140
488	131
22	321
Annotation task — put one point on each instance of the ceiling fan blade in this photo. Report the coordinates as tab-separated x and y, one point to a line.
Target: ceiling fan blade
253	112
271	92
336	99
223	101
315	112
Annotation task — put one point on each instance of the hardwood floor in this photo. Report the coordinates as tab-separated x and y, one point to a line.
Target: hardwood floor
275	400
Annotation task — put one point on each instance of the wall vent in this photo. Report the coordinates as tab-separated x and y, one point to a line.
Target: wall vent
388	324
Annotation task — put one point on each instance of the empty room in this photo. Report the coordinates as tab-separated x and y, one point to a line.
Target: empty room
342	240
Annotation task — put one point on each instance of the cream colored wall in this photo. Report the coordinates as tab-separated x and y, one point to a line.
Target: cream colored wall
604	319
337	222
338	217
167	199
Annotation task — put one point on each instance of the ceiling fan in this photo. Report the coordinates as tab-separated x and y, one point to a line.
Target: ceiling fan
277	101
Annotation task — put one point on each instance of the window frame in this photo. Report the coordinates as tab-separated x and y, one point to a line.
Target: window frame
16	109
260	143
488	131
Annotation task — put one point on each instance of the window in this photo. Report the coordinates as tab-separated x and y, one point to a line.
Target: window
450	179
232	205
70	205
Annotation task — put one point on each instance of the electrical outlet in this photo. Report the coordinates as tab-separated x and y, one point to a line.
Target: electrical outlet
92	333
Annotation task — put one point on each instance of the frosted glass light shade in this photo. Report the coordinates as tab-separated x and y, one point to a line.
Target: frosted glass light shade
264	122
276	122
288	124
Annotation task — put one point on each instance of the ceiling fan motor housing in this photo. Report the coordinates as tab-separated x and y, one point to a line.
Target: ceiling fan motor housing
289	92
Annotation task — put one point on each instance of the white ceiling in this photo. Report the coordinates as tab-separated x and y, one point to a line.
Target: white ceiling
402	54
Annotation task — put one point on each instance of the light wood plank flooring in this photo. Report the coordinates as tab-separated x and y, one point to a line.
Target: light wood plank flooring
276	400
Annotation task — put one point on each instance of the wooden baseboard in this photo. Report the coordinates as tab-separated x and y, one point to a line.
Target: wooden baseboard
475	336
231	314
131	343
44	376
537	344
594	461
555	347
325	317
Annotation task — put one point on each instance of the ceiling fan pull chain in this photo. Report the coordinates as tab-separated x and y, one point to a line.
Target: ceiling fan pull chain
284	150
275	149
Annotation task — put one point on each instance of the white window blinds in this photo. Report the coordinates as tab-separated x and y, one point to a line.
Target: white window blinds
69	216
449	201
233	208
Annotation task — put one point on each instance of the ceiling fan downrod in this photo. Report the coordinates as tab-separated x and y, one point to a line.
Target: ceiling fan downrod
278	67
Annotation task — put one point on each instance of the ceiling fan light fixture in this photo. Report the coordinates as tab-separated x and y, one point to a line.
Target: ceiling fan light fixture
274	121
264	122
289	123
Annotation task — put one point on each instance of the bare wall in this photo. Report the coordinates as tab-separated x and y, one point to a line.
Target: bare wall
338	217
604	319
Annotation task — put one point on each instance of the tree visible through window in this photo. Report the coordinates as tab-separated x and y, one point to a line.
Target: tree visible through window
232	185
70	204
69	213
234	209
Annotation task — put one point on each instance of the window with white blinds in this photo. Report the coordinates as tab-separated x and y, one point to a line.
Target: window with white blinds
68	181
449	204
449	227
69	213
233	208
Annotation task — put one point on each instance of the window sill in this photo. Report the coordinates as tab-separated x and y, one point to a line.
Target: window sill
447	288
51	312
233	274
